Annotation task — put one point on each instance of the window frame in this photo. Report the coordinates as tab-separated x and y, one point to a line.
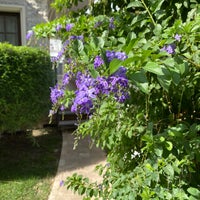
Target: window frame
21	10
6	15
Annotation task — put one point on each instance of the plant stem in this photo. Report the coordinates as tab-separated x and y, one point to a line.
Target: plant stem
150	15
192	62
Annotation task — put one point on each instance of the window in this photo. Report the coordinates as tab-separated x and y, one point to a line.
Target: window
10	28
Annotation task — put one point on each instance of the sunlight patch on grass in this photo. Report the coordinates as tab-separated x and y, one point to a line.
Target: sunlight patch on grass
27	170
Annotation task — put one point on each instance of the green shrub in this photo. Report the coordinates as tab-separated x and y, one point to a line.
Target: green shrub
26	76
152	141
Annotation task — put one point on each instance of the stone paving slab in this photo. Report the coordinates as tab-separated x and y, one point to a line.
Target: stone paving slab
82	160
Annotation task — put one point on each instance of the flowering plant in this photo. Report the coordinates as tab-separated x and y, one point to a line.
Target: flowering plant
137	77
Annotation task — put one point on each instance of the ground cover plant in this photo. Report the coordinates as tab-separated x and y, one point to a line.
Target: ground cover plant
136	66
28	164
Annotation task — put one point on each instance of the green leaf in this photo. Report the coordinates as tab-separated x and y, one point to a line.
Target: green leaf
194	191
169	62
158	29
141	81
154	68
168	169
162	139
169	145
158	151
175	77
193	198
81	190
131	45
114	65
165	79
93	72
135	4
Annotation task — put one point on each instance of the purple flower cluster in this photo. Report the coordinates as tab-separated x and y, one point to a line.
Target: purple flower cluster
74	37
111	23
58	27
88	89
69	27
84	94
170	48
66	79
110	55
119	84
29	35
57	92
177	37
98	61
118	55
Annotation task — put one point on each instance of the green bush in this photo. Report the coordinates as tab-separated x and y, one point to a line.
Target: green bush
26	76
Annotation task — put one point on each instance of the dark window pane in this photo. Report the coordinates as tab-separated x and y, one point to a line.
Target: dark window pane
11	24
10	28
2	37
2	24
12	39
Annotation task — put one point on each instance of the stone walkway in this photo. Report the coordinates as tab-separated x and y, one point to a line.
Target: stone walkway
82	160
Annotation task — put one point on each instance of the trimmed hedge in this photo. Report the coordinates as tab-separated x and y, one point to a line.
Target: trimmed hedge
26	75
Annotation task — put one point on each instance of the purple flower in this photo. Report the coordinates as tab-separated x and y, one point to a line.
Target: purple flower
62	183
58	27
69	27
110	55
102	85
62	108
177	37
111	24
74	37
58	57
120	72
69	61
80	37
29	35
97	24
85	93
66	43
170	49
121	55
98	61
56	93
51	112
118	55
89	89
66	79
119	87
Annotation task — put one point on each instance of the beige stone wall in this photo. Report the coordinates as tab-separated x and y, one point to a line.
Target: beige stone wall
36	11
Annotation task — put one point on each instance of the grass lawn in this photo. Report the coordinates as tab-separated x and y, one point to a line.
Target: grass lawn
28	166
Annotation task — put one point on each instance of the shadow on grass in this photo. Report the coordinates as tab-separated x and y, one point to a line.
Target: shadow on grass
22	157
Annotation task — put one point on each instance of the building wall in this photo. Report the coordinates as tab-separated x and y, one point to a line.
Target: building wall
32	12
